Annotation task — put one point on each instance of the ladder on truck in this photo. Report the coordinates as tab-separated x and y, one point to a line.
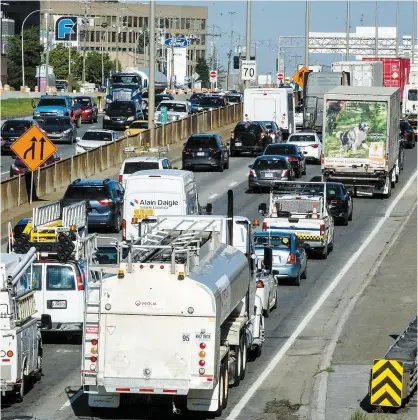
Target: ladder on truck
393	378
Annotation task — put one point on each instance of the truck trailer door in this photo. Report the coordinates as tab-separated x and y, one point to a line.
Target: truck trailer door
265	109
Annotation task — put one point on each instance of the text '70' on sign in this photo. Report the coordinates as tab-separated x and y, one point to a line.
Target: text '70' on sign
248	70
34	148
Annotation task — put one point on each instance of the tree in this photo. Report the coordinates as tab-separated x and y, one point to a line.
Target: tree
202	69
94	67
32	58
143	41
58	59
214	64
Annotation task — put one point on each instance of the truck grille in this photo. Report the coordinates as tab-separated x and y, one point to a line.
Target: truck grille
118	119
45	114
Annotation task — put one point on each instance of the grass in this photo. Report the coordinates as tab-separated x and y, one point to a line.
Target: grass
361	415
15	107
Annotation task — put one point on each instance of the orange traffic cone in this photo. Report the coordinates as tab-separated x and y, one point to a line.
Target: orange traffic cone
274	211
314	212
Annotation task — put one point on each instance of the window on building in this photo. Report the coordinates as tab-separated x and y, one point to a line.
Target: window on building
130	21
124	37
203	26
141	22
188	22
135	22
176	23
130	38
183	23
109	20
91	36
98	38
113	36
146	21
113	20
202	39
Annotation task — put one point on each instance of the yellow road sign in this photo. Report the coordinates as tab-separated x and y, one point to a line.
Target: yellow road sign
33	148
298	76
386	383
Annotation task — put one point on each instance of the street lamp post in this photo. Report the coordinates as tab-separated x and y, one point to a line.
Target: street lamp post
151	88
248	40
307	35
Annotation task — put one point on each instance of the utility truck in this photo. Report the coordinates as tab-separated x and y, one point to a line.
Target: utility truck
178	317
21	342
300	208
362	73
361	146
271	104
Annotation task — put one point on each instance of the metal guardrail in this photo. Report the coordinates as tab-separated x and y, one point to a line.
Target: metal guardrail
59	175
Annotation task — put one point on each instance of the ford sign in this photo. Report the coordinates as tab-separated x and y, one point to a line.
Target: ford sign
178	42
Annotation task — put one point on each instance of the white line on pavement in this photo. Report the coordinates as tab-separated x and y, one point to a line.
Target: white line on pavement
78	394
282	351
213	196
232	184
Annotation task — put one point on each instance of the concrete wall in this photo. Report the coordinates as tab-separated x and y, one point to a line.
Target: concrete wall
59	175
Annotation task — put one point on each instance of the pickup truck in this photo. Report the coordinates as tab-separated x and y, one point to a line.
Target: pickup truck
300	208
57	106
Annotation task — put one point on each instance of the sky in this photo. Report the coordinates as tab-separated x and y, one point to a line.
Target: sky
271	19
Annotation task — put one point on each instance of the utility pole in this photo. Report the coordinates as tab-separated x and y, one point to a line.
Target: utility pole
230	49
376	50
347	55
248	38
47	49
307	34
397	29
414	32
173	40
151	88
85	44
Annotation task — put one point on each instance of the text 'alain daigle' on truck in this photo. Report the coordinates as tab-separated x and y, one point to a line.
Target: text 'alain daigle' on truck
361	138
178	317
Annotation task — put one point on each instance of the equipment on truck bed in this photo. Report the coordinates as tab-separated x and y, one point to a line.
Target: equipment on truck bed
21	343
394	377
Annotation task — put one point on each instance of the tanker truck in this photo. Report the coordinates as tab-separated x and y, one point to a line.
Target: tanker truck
178	317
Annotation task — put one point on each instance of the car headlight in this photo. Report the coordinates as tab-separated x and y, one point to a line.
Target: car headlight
130	119
108	101
61	113
199	108
36	114
67	131
174	117
106	117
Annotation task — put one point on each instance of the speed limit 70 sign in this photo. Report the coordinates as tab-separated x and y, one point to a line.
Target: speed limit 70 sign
248	70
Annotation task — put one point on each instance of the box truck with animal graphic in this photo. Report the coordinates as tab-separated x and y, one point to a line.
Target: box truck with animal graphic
361	139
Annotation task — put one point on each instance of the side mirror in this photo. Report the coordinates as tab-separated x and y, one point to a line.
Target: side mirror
209	208
262	208
268	259
227	144
184	144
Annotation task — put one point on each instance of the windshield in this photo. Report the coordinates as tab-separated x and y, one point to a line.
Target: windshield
268	125
333	191
210	101
161	98
97	136
242	128
270	164
83	101
234	99
121	108
142	124
16	126
125	80
197	96
172	107
89	192
201	143
52	102
57	121
296	137
276	242
280	149
132	167
412	95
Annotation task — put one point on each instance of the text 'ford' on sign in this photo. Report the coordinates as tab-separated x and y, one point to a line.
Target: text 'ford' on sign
178	42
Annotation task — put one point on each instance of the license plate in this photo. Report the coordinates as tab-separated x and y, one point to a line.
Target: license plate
59	304
143	213
200	154
238	144
268	175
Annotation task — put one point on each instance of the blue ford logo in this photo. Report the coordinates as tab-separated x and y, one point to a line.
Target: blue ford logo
178	42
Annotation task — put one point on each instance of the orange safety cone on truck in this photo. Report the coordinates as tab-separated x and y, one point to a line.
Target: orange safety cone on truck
274	210
314	212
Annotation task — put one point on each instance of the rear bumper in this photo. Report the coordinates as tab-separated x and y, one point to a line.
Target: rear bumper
100	219
355	179
62	327
203	161
248	149
337	211
286	271
115	125
264	183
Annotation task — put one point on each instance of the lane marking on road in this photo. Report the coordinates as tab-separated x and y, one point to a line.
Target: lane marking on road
77	395
236	411
213	196
233	184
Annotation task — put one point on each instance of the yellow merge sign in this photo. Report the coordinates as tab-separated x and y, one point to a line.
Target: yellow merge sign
298	76
33	148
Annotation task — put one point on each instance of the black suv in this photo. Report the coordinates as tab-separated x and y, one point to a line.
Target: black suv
120	114
249	137
293	154
205	150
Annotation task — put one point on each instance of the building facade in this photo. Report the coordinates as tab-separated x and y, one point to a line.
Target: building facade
121	29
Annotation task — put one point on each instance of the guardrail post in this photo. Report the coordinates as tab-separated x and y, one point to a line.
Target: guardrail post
38	181
19	190
211	114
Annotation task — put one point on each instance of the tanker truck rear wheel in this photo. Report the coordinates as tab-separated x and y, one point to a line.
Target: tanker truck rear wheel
244	357
238	365
226	383
220	385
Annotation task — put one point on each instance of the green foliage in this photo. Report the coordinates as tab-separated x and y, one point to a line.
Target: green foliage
32	58
202	69
58	59
94	67
15	107
143	36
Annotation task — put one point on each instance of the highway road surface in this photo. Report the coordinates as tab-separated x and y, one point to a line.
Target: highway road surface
281	383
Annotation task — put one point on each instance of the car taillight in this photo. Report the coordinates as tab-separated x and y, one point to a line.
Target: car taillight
80	284
264	226
291	259
285	172
123	230
292	159
252	173
322	230
337	201
315	146
120	179
105	202
187	150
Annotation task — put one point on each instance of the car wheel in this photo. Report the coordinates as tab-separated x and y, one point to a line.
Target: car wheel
117	223
304	275
296	280
345	220
266	312
276	299
78	122
221	167
350	217
304	170
324	252
227	164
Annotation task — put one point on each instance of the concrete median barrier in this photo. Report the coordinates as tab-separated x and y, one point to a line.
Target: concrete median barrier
59	175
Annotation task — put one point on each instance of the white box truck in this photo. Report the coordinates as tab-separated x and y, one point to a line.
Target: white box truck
362	73
178	317
271	104
361	138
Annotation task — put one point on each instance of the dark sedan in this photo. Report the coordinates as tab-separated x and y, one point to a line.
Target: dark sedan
194	102
11	130
19	168
293	154
59	129
407	135
209	103
266	170
89	110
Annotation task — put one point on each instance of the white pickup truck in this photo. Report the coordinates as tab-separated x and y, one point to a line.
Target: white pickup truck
300	208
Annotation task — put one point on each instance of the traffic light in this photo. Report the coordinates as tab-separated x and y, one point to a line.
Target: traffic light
236	62
65	247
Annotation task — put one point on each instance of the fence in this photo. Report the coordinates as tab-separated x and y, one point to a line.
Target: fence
59	175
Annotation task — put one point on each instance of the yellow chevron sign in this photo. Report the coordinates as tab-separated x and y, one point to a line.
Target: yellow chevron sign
386	383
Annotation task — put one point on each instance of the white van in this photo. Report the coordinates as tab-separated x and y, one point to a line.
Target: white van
158	192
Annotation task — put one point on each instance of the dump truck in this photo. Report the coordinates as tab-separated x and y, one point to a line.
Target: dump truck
361	146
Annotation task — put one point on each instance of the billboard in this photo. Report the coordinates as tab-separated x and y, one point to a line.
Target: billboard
180	64
355	132
66	28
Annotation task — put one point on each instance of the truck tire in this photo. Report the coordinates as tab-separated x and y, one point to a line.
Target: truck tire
238	364
226	383
244	358
324	253
220	408
266	312
389	193
22	388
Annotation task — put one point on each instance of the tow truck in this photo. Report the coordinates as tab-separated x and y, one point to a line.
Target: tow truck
300	208
21	343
